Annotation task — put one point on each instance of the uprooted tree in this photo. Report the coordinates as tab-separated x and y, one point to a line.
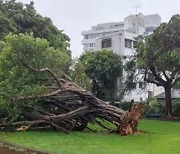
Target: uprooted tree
35	92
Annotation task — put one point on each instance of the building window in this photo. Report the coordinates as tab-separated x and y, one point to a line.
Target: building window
92	44
150	29
134	44
86	45
128	43
116	25
107	43
86	36
140	85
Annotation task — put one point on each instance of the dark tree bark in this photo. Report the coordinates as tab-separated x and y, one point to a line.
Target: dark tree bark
168	108
167	84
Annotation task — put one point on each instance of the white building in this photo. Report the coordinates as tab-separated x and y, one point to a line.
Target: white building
120	38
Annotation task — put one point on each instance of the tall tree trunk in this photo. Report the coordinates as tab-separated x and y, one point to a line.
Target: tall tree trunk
168	109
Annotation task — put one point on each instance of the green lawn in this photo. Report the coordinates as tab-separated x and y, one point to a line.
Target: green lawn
162	137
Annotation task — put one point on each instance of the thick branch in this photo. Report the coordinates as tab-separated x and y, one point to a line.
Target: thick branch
26	123
22	98
43	70
173	74
157	77
151	80
166	76
66	116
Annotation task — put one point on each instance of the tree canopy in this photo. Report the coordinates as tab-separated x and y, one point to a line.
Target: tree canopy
79	76
103	68
21	54
17	17
158	57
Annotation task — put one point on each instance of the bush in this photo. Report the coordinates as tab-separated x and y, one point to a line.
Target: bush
154	107
125	105
176	109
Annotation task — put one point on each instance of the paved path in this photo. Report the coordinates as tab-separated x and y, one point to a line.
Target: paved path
7	148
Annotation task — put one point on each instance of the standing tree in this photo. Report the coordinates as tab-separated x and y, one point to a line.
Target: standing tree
15	17
158	57
104	68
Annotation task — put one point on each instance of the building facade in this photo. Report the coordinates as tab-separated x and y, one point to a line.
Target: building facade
120	38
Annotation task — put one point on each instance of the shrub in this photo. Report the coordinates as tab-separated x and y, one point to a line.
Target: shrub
154	106
176	109
124	105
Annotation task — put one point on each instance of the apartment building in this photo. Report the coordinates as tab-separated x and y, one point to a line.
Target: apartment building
120	38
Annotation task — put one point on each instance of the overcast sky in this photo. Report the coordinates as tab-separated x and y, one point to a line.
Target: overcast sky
74	16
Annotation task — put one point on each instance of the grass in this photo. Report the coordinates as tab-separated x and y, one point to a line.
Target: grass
162	137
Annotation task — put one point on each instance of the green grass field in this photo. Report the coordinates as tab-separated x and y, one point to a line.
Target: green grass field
162	137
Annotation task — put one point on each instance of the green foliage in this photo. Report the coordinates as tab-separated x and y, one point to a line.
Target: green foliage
157	107
177	86
130	80
18	18
176	108
18	80
159	53
79	76
104	68
153	106
6	26
124	105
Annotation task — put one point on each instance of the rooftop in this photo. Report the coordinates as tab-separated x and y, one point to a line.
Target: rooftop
175	94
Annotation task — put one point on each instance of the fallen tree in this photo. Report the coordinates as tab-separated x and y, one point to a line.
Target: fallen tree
70	107
32	96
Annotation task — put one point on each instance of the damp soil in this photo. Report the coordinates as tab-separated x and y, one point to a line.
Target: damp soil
6	148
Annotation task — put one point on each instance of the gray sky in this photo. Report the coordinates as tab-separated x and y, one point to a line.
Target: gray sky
74	16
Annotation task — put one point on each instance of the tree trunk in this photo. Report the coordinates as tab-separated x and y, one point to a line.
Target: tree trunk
168	109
